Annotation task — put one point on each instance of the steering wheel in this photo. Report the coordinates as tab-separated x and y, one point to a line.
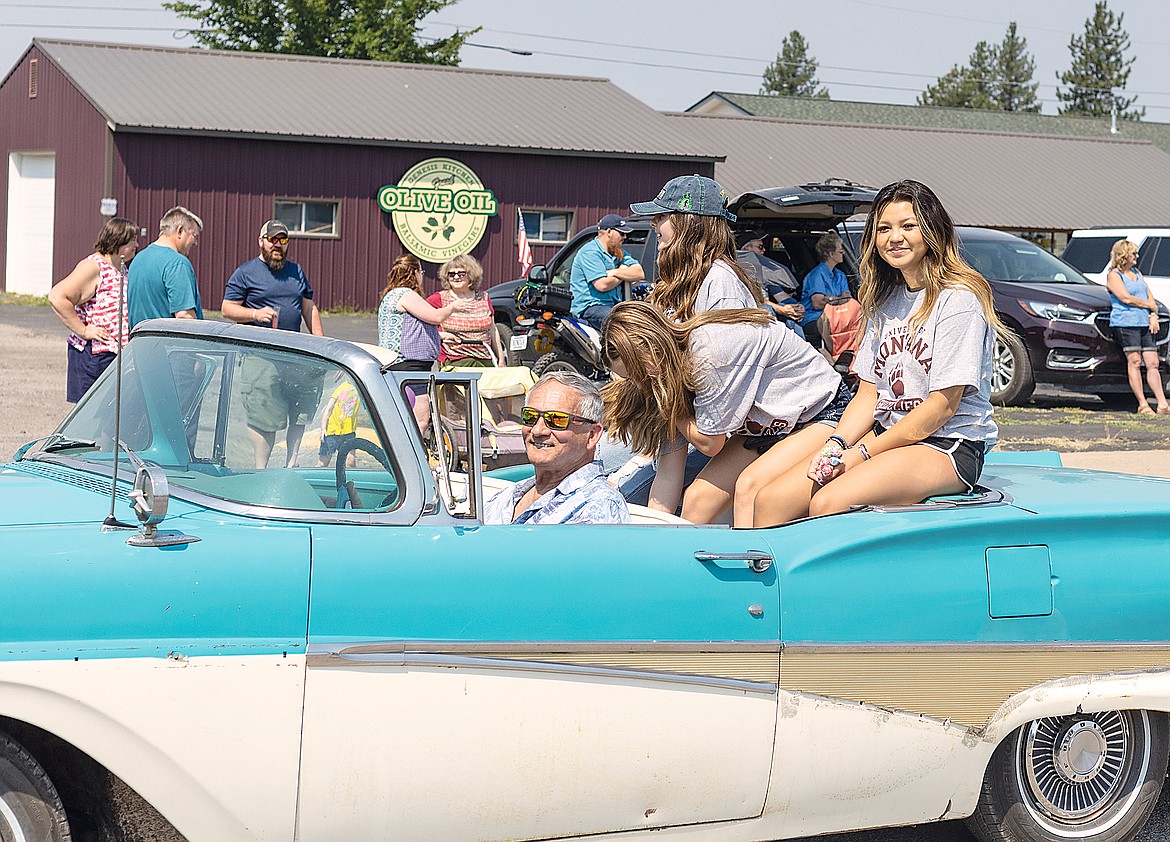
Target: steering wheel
347	497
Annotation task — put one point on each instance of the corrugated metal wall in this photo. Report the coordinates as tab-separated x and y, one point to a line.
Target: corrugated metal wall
232	183
58	120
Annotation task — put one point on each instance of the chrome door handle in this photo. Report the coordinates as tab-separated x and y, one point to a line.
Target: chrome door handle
757	560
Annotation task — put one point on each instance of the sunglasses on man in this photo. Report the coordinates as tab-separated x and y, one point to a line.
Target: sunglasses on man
554	418
278	239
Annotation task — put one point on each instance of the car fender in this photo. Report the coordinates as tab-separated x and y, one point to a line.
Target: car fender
179	746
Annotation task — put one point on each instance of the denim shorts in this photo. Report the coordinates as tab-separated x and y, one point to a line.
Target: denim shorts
1134	338
830	415
966	455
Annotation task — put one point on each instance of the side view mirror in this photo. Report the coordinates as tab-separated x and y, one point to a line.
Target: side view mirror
539	274
150	499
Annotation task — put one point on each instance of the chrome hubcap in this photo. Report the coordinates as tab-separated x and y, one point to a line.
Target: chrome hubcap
1074	767
1003	366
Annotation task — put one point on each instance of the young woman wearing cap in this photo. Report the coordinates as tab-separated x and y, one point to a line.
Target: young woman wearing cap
734	383
921	421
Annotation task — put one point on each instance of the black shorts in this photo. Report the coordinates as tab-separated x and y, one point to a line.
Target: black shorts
1134	339
329	444
830	415
966	455
82	368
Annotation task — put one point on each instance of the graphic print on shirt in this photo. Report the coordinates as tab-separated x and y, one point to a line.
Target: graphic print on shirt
902	348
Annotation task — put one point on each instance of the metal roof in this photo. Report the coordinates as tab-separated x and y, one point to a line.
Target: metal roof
995	179
158	89
808	109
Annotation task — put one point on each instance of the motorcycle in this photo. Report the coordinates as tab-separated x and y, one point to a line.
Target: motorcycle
560	341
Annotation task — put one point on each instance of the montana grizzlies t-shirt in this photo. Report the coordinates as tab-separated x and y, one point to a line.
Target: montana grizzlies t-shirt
952	347
758	380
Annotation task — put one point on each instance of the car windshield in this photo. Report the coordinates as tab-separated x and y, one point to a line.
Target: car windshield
247	424
1017	260
1089	254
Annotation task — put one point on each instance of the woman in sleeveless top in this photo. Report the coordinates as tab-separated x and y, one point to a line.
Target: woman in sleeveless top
469	339
91	302
1134	319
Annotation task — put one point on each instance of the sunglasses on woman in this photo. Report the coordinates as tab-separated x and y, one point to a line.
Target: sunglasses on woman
554	418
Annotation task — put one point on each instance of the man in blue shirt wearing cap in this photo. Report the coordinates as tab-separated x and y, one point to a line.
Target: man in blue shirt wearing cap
600	268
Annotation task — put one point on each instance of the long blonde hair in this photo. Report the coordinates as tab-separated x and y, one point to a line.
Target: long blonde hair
685	261
644	408
943	266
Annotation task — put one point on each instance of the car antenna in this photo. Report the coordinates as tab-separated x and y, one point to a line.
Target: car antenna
111	522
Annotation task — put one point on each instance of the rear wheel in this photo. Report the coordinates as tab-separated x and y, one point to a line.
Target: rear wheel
1091	777
1012	381
30	808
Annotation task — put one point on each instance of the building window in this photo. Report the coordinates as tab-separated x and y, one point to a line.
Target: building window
548	226
307	218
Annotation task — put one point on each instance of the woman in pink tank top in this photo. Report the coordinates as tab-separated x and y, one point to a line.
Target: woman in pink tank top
90	301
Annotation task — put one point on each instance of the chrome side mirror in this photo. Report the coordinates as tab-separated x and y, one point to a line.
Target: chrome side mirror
149	499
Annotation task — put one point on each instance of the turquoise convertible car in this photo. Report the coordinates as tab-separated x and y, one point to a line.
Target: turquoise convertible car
192	646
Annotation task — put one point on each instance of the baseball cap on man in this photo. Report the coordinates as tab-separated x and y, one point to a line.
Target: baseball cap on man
745	237
614	222
273	227
695	194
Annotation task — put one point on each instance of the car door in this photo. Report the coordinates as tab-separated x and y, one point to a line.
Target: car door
515	682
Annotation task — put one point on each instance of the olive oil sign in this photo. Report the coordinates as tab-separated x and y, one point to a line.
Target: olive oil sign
439	208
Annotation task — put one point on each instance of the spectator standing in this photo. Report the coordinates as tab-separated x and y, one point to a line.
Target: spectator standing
824	284
271	290
161	282
91	302
468	339
1134	319
600	267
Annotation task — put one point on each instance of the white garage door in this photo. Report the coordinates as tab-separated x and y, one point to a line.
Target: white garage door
31	188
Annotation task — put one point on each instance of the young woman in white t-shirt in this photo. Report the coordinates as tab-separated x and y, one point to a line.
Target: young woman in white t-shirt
734	383
921	421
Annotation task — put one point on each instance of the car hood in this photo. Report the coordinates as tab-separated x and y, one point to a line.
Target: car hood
1087	295
505	291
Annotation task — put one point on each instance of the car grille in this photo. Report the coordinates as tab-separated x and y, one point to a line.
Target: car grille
1101	322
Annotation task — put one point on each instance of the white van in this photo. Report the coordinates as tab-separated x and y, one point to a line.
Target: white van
1088	250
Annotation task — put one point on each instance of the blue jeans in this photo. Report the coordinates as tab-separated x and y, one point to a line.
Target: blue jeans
595	314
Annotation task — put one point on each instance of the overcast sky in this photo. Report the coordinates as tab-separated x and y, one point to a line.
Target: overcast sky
672	53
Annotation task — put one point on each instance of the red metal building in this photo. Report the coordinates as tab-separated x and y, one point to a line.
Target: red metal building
241	137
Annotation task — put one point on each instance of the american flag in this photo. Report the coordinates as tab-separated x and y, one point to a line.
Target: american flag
524	250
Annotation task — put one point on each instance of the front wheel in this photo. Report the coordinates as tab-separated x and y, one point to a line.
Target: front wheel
1012	381
30	807
557	360
1091	777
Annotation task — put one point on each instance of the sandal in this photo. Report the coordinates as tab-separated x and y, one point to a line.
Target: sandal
1164	409
1144	409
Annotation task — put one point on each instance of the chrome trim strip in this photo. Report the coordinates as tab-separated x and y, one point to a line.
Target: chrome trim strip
815	648
1084	365
349	648
422	659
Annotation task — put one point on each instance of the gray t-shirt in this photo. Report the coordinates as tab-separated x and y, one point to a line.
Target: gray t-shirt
758	380
952	347
722	290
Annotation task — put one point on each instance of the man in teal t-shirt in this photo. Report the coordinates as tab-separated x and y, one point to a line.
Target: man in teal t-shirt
599	269
161	282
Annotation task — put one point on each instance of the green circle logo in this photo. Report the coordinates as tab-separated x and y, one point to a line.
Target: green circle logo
440	209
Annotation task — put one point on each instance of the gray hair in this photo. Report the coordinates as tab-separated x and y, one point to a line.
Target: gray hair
179	217
827	244
590	403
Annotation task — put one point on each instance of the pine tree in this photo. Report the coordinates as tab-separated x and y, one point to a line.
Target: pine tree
996	77
1099	71
385	30
794	72
1015	68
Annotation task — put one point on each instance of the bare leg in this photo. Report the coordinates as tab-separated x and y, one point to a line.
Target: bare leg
709	496
292	442
422	413
1133	368
1154	378
262	442
897	477
796	450
785	498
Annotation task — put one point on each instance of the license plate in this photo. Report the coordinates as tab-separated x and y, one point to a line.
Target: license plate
518	342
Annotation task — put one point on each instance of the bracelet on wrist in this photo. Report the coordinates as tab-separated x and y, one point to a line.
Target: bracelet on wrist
864	452
840	441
